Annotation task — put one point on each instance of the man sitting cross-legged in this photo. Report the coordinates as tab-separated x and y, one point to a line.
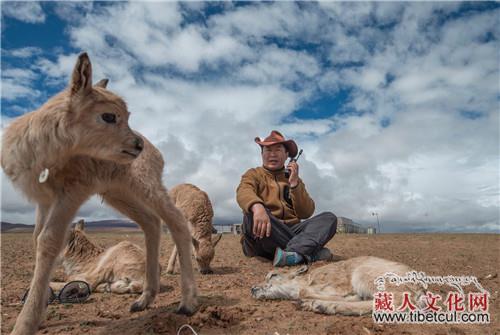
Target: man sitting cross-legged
274	206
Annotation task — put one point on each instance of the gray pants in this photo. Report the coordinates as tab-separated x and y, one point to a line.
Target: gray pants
305	238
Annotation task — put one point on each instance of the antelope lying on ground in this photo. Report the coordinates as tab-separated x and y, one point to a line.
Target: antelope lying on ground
118	269
197	209
76	145
345	287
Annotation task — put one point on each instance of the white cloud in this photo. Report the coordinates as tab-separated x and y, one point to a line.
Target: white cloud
72	11
349	13
308	128
275	65
59	71
150	32
255	22
17	73
189	49
18	83
347	49
368	78
30	12
26	52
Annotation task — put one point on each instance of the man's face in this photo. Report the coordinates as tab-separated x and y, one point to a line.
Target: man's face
274	157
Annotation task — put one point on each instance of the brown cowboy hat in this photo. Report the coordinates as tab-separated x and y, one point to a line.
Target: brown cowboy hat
277	138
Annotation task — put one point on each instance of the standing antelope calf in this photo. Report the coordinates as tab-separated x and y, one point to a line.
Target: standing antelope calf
78	144
345	287
197	209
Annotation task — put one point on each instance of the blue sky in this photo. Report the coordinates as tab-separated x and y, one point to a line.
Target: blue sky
395	104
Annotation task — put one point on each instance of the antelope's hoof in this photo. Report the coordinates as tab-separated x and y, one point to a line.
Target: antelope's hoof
306	304
185	311
137	307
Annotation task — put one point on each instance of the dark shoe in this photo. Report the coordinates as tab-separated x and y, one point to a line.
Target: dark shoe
323	254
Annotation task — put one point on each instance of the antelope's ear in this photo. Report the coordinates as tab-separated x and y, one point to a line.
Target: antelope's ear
272	274
217	239
301	270
195	242
102	83
81	79
80	225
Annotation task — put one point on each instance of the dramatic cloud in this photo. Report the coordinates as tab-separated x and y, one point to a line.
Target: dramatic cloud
394	104
26	52
18	83
30	12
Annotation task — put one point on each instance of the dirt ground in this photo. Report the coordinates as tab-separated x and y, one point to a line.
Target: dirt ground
226	305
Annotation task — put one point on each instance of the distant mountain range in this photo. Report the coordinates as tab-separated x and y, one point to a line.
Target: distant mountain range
89	225
16	227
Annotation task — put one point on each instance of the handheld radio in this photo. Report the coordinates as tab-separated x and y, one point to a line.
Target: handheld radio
287	171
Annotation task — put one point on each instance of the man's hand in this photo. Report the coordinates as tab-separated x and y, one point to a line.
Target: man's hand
294	173
261	221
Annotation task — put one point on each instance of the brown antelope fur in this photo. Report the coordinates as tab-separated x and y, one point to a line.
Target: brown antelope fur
346	287
197	209
88	152
118	269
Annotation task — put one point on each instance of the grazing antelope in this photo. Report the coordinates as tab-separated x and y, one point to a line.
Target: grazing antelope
197	209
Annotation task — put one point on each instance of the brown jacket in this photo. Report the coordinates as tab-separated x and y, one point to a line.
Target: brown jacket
272	189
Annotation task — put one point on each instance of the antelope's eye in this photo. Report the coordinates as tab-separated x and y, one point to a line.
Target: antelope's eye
109	118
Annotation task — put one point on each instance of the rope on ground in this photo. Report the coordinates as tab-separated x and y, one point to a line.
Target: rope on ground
188	326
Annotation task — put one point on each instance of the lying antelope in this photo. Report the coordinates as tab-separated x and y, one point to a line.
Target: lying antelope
345	287
118	269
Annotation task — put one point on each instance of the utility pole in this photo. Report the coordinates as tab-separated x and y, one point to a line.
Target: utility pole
378	222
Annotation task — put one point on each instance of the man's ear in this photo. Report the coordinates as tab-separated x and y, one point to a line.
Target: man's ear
80	225
81	79
102	83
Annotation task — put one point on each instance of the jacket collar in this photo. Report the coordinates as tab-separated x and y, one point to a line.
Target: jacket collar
275	172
